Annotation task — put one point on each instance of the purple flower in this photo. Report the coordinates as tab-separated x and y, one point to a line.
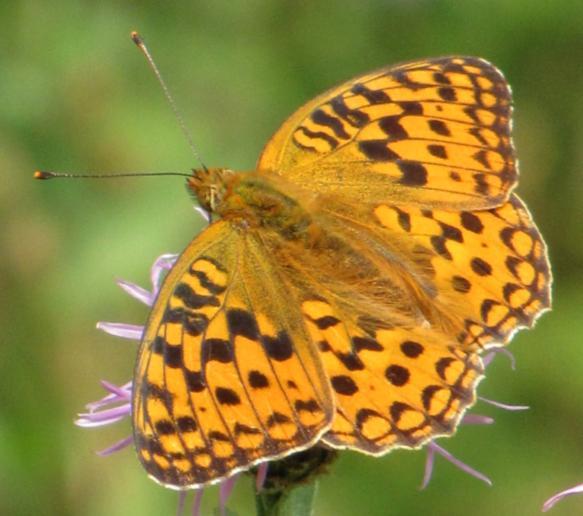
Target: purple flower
578	489
116	404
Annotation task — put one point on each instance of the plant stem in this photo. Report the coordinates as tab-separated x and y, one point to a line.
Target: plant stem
297	501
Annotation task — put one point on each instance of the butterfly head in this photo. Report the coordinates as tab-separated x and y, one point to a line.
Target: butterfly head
209	186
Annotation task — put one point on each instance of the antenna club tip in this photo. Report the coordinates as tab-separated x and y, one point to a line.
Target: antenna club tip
40	174
136	38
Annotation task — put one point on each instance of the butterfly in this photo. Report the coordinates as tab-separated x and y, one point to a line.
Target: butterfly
347	286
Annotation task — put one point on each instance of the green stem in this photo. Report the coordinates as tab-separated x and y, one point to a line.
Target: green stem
295	501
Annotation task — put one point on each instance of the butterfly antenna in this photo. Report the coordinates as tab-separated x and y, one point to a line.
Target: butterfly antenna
48	174
137	39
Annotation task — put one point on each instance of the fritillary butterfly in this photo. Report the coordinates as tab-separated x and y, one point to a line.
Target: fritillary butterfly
348	285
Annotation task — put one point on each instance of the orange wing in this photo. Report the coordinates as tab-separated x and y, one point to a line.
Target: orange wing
432	133
476	276
394	386
488	270
226	375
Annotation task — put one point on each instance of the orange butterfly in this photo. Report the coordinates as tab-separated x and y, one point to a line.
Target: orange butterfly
348	285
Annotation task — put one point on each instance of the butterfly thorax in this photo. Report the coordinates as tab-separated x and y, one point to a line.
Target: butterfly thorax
250	200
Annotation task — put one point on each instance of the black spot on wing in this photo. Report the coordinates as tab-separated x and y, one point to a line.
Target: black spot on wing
481	267
310	405
354	117
277	418
373	96
173	356
411	107
193	300
320	117
461	284
241	322
186	424
332	142
377	150
325	322
258	380
226	396
344	385
365	343
411	348
397	375
437	150
278	348
164	427
451	232
217	349
439	127
391	126
206	283
471	222
351	361
447	93
404	219
413	173
194	381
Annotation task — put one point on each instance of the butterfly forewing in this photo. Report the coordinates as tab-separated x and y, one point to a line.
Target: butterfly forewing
432	133
224	378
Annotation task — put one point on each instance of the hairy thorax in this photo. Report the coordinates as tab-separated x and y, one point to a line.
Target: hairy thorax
250	200
338	257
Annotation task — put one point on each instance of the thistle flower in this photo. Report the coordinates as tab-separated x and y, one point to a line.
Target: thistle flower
116	404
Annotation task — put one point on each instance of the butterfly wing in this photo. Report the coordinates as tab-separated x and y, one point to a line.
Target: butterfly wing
489	268
433	133
397	380
401	318
226	376
477	276
394	386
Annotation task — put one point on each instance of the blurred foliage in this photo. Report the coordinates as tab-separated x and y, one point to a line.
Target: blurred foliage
75	95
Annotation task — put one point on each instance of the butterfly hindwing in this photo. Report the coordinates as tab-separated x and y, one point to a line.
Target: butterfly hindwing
224	379
432	133
489	268
394	386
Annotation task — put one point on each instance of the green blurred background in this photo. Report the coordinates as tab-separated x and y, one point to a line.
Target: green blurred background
76	95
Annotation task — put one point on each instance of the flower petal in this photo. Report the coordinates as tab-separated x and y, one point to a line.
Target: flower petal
203	213
429	463
225	490
261	476
487	359
196	504
458	463
120	445
504	406
476	419
137	292
117	393
103	417
559	496
163	263
125	331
